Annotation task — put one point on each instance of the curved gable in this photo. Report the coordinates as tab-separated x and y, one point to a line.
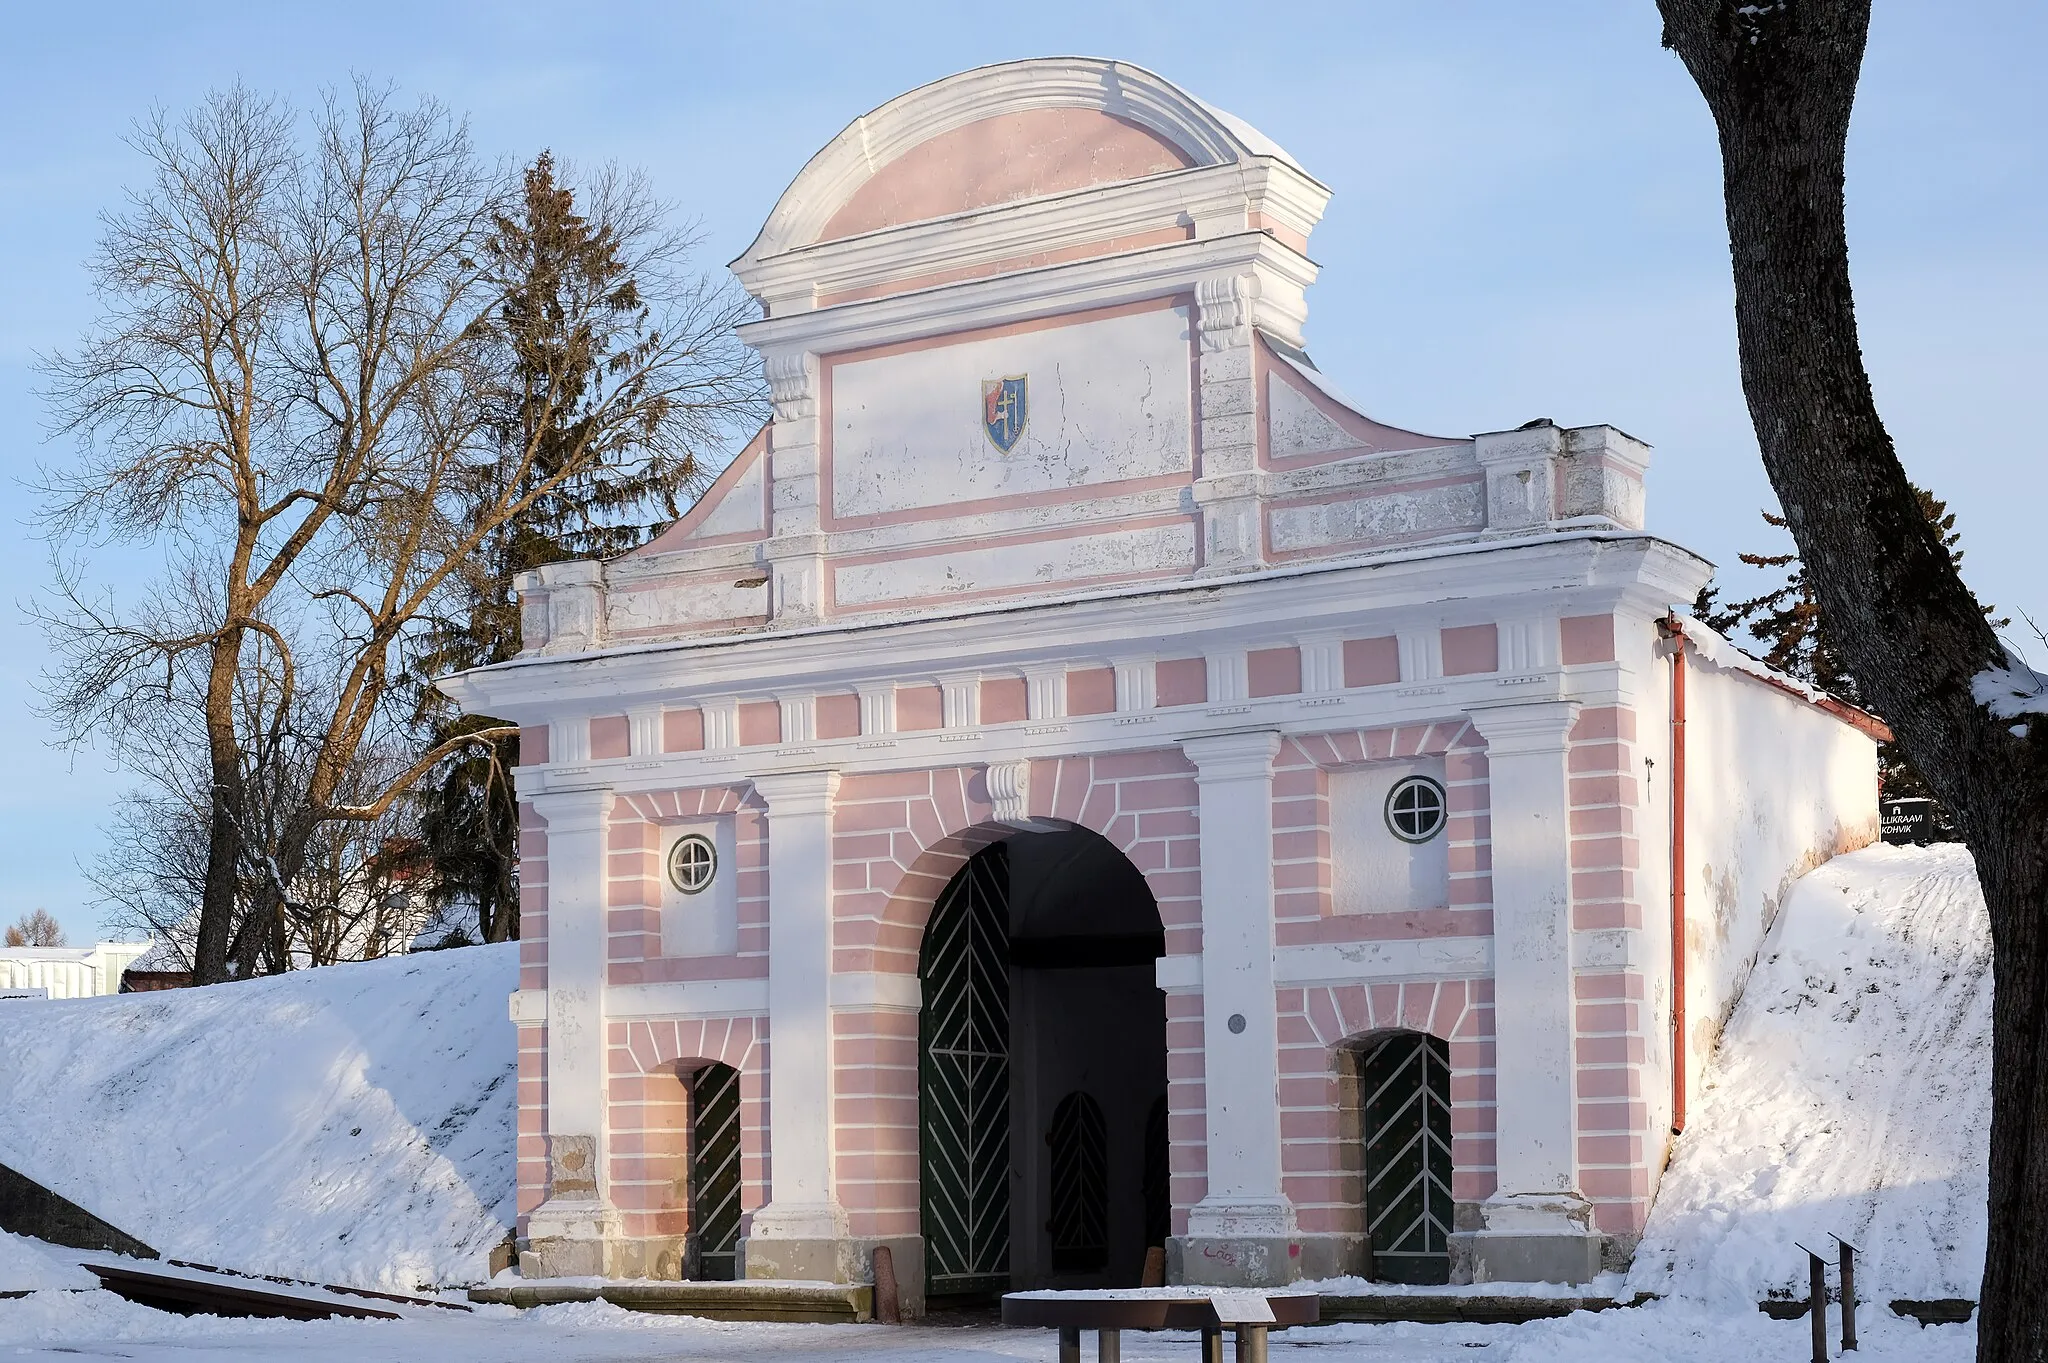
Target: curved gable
1022	155
1120	119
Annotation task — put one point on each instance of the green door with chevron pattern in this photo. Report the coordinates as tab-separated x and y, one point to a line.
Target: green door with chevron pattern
964	1073
715	1171
1404	1084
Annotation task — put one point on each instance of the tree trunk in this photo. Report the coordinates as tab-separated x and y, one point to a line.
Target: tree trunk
224	844
1780	80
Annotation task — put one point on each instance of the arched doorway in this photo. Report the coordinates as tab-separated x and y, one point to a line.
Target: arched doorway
1042	1070
1404	1109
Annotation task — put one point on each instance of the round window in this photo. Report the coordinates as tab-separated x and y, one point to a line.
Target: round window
1416	809
692	862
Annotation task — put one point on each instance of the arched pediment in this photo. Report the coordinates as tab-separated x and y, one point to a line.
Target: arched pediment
1000	134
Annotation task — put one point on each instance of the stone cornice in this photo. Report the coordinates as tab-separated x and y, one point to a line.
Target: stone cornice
1099	281
1208	201
1240	755
789	793
574	810
1586	573
1524	728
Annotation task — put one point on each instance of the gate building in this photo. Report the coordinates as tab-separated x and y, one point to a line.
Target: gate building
1078	784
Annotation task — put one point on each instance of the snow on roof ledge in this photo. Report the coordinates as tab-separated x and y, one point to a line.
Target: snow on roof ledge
1716	651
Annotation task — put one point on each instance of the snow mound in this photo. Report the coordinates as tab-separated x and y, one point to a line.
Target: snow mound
31	1266
1851	1095
352	1124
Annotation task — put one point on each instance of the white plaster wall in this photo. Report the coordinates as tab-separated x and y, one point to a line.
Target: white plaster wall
1387	515
1748	835
706	923
1018	565
1593	487
1296	426
1106	401
1371	869
679	603
742	509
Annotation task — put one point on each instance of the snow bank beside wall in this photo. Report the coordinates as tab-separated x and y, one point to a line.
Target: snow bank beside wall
351	1124
1747	838
1851	1095
31	1266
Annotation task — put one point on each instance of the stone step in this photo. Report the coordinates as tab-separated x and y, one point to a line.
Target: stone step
814	1303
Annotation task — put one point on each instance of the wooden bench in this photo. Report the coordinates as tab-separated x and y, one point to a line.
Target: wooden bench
1248	1313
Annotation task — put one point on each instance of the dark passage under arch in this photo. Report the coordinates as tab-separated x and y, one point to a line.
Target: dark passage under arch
1042	1070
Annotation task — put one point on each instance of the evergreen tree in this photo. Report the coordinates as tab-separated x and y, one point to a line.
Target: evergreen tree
553	263
1787	621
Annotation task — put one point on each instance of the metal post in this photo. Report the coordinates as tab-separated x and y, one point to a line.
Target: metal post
1070	1344
1848	1253
1817	1280
1251	1343
1109	1346
1212	1344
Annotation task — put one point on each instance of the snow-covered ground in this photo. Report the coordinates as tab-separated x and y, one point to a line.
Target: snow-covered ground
1851	1095
99	1325
31	1266
352	1124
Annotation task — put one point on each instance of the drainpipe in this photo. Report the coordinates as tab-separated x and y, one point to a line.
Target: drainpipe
1673	630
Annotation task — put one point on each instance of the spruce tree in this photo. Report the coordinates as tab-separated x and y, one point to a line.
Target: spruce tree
1787	621
542	254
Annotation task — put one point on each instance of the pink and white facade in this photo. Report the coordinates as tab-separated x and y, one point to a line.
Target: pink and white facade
1202	607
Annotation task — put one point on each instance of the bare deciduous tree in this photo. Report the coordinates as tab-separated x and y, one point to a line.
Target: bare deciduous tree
297	394
1780	79
37	929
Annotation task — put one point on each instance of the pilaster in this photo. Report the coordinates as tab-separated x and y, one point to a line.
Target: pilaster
1538	1225
795	549
1242	1233
567	1234
1521	476
1226	486
802	1231
575	606
1046	692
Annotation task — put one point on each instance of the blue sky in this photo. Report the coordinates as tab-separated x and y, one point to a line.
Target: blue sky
1526	221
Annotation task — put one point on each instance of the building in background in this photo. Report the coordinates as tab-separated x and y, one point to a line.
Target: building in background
67	972
1078	783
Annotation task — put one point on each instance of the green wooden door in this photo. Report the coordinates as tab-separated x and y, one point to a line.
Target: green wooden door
715	1169
1079	1160
964	1081
1405	1100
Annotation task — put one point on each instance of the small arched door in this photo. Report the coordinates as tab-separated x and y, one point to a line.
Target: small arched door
1404	1093
1079	1150
715	1171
